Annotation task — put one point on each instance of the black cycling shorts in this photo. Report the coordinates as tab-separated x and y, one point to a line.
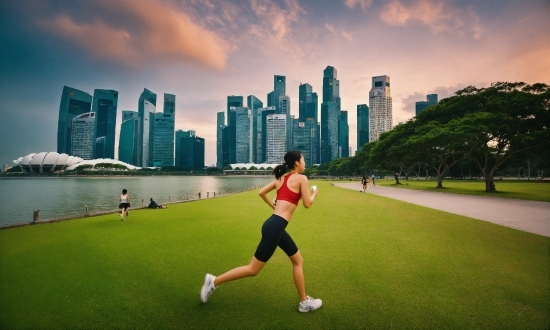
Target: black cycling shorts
273	235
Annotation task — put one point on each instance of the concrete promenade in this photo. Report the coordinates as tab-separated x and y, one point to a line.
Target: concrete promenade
529	216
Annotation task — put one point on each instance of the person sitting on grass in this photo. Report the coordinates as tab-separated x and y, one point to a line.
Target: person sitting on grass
154	205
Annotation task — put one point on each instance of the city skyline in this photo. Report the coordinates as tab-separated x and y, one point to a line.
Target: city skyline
236	48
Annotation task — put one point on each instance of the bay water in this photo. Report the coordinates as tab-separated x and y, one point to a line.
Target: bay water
68	196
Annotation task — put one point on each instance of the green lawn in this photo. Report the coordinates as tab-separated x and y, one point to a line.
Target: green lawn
528	190
377	263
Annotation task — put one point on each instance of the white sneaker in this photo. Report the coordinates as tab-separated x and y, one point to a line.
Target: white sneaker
208	287
310	304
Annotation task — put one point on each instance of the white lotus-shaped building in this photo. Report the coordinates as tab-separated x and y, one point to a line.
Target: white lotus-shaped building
47	162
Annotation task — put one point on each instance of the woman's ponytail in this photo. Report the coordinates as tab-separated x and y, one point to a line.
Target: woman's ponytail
280	170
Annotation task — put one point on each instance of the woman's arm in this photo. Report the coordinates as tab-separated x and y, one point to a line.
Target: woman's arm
263	193
307	198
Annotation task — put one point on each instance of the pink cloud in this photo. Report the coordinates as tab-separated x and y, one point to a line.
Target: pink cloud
143	35
435	14
364	4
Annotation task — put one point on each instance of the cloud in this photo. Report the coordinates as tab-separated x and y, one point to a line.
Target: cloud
276	22
435	14
339	31
142	36
364	4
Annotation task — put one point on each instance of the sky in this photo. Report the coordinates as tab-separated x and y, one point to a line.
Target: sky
204	50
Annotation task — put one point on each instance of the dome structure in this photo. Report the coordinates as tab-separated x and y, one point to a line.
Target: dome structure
48	162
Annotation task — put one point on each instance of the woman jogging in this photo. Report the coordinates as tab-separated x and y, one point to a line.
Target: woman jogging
124	200
364	182
290	186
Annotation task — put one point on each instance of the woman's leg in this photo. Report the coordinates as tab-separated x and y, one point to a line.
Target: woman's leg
298	272
122	213
252	269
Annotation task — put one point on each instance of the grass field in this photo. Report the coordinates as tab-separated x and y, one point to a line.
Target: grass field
377	263
528	190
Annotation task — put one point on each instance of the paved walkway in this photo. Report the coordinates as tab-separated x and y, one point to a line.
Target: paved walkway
529	216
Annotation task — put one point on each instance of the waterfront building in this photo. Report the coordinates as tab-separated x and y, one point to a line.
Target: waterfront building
225	146
220	124
304	137
82	135
193	151
233	102
180	153
279	89
146	108
330	112
105	104
275	138
253	104
380	107
242	139
312	113
6	168
343	135
127	141
261	133
74	102
163	139
170	104
362	125
303	91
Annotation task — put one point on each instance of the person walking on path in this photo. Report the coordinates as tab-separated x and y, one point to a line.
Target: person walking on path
373	184
364	182
124	205
290	186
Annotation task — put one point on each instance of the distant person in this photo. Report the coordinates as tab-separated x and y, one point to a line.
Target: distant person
407	179
364	182
154	205
291	186
372	178
124	205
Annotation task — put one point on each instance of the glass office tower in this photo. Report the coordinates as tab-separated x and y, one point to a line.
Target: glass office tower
127	141
105	106
421	105
74	102
253	104
180	136
193	151
261	132
220	124
362	125
163	139
233	102
380	105
146	106
304	136
170	104
82	135
303	91
330	111
243	135
343	134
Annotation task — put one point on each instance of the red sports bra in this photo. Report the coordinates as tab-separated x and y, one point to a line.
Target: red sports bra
285	194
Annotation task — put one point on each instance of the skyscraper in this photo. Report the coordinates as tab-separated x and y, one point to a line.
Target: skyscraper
421	105
146	106
105	106
253	104
170	104
82	135
127	142
220	124
180	152
262	132
275	138
303	91
343	134
304	137
74	102
312	114
279	89
193	151
362	125
380	104
233	102
330	111
163	139
242	135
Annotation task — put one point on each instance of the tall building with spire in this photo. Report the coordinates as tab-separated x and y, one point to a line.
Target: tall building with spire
105	104
380	104
74	102
330	112
146	109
